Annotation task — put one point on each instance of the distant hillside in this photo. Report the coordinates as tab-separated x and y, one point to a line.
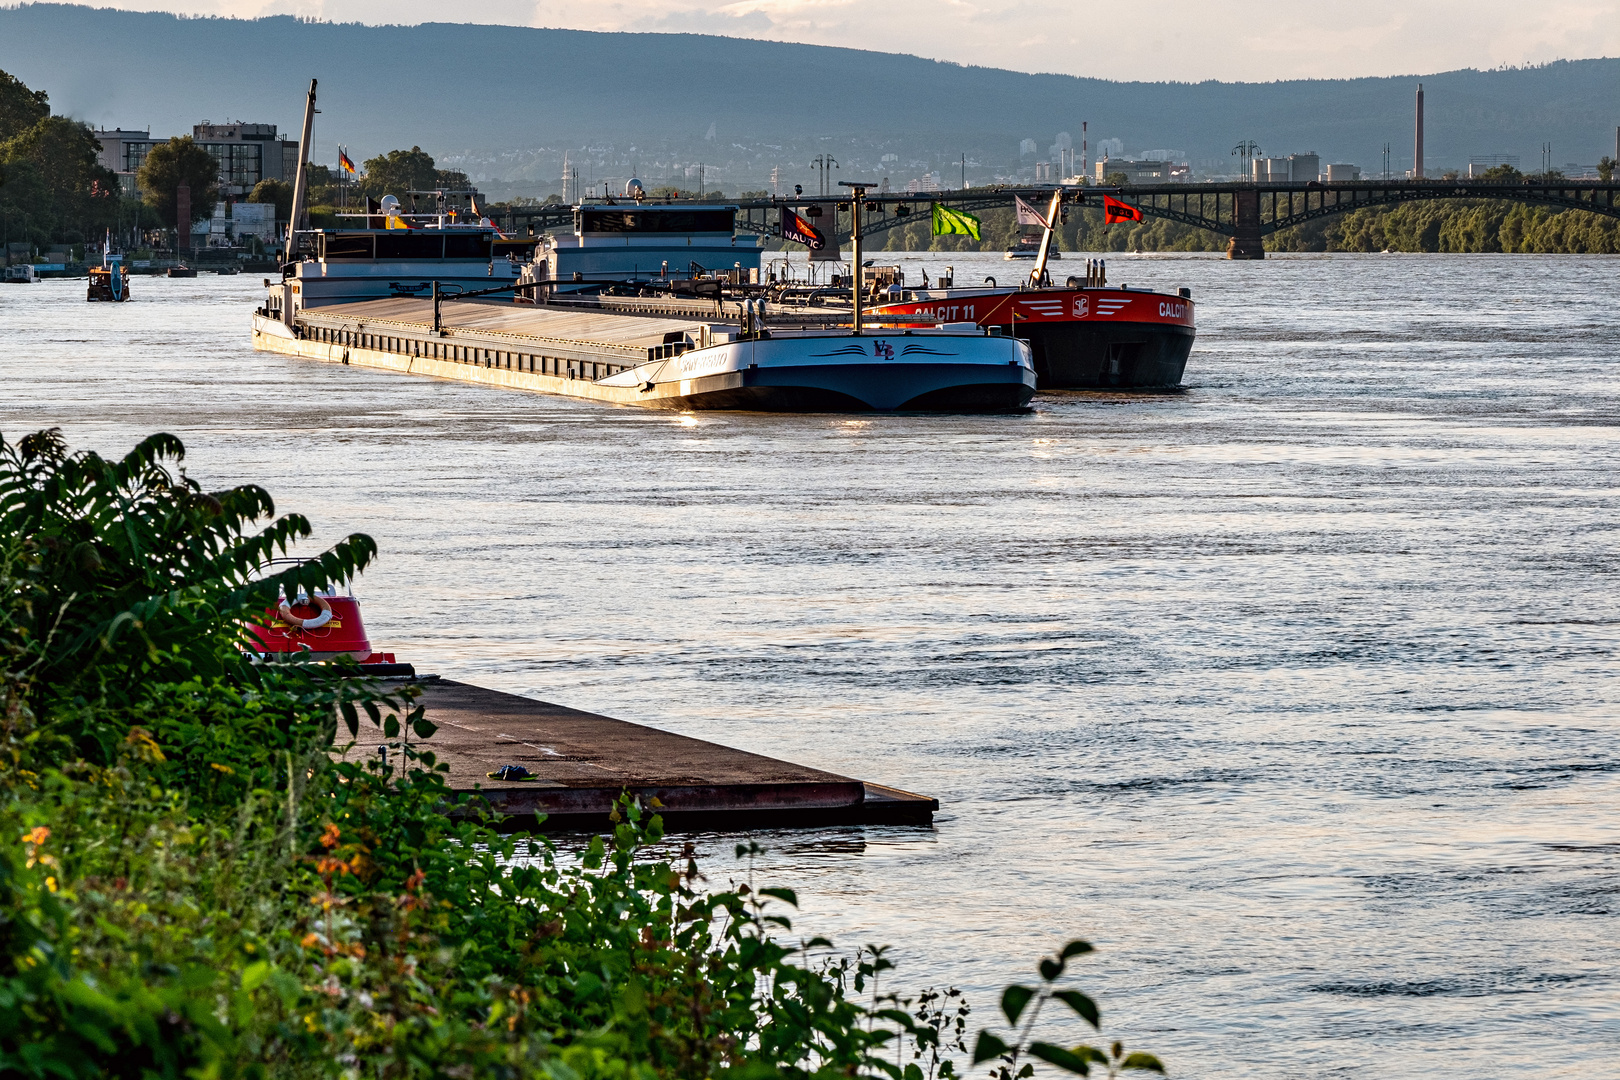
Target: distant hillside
455	88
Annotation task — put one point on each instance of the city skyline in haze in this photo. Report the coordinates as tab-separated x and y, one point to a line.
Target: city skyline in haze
1179	40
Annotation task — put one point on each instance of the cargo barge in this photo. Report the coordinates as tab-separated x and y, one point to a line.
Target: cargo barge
602	316
664	361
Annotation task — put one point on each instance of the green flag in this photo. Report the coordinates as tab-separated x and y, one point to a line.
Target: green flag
948	221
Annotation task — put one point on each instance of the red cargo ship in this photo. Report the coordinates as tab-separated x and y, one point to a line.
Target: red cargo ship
1083	337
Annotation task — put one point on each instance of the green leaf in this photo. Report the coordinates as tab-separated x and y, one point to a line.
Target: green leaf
425	728
785	895
987	1047
351	719
391	727
1140	1060
1091	1053
1067	1060
1051	969
1013	1000
1081	1004
1075	948
253	975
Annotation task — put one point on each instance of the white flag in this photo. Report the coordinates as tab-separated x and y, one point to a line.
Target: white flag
1027	214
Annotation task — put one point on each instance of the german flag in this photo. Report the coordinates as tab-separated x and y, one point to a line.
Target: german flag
345	163
1115	211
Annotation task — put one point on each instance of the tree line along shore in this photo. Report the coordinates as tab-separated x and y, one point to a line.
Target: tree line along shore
1483	226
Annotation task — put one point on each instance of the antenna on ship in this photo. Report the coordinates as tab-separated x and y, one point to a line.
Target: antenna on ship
858	191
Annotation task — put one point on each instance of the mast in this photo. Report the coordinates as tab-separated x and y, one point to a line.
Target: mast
858	193
301	181
1038	274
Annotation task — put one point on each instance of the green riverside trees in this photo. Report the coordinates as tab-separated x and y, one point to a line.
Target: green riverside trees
167	166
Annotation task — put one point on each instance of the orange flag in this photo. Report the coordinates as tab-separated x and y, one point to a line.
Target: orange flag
1115	211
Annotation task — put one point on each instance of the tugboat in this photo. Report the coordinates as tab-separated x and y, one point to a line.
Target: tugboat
108	282
1085	335
323	626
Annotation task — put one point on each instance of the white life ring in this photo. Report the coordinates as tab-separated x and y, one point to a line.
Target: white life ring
307	624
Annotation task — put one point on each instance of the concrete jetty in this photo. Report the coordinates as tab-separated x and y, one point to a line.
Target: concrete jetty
582	762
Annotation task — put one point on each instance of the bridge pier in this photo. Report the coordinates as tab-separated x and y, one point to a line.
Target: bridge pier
1246	242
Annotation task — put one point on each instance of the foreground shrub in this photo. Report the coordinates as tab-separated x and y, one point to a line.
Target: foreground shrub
195	883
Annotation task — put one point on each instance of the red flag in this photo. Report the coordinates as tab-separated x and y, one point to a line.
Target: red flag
1115	211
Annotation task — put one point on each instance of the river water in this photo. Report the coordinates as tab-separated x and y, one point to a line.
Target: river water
1295	692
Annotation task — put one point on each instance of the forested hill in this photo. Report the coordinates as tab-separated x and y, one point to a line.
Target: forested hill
452	87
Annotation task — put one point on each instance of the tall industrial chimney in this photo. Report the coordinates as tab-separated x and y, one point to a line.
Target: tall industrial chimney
1417	151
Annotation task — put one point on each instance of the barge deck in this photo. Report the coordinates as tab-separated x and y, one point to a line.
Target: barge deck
582	762
667	354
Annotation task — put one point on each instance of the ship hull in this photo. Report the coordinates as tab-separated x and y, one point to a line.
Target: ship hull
1108	356
1082	338
948	388
786	371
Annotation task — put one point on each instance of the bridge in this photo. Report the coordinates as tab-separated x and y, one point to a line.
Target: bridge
1245	213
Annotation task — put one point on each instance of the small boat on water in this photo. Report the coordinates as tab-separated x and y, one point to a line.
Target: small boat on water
182	271
1028	246
109	281
19	274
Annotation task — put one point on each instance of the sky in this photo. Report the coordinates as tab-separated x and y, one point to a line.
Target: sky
1232	40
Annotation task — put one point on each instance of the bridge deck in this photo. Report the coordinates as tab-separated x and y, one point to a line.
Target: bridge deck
1244	210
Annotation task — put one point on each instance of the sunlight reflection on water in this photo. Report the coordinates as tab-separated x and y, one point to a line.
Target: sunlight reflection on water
1295	691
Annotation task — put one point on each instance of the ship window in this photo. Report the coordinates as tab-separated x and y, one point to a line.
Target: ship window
404	245
467	246
346	246
657	221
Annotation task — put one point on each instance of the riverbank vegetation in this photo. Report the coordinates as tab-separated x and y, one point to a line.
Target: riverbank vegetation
52	189
1478	226
200	877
